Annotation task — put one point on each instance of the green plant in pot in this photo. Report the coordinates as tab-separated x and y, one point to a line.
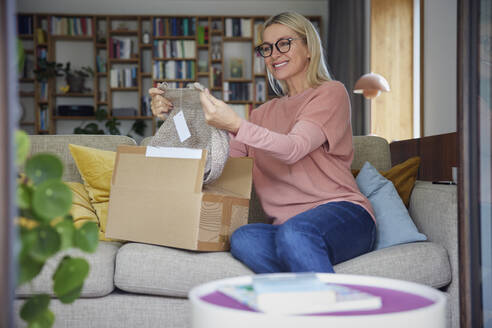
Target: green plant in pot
46	228
75	78
112	125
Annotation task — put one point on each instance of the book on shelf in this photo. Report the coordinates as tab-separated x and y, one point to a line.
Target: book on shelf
24	24
238	27
299	293
71	26
259	64
123	77
260	91
174	69
237	91
121	48
174	49
236	67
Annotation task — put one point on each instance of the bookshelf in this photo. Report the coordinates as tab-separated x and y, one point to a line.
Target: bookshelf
131	53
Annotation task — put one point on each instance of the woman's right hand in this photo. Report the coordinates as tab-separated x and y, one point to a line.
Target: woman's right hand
159	104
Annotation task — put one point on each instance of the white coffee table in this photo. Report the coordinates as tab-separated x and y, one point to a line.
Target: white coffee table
405	304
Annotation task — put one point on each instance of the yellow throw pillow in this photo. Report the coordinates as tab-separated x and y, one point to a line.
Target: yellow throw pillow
82	210
403	177
96	168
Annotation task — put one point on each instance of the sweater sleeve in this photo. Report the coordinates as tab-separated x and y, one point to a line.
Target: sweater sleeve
288	148
237	148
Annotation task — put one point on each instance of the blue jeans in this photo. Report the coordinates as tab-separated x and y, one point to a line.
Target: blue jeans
312	241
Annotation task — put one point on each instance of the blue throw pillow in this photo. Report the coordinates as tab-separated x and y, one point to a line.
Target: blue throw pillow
394	224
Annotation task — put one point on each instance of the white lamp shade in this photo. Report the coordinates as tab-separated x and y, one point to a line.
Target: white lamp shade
371	85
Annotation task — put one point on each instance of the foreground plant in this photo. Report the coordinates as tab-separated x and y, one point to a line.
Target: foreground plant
45	228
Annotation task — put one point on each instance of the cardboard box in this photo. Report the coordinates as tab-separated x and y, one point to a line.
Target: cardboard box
162	200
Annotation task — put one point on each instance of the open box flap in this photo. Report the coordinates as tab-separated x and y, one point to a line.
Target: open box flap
133	168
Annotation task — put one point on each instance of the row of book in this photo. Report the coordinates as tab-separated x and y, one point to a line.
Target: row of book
123	77
242	110
24	24
73	26
174	49
100	64
202	34
43	118
174	26
261	91
237	91
238	27
259	64
43	91
174	69
121	48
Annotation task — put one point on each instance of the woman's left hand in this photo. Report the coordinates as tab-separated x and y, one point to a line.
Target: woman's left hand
218	113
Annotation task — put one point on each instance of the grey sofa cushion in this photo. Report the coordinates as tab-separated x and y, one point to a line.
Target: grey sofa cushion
423	262
157	270
99	282
58	144
118	310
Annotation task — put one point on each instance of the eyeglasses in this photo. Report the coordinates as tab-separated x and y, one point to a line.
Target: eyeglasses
282	45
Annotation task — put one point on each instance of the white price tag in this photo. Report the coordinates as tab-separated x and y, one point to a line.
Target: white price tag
181	126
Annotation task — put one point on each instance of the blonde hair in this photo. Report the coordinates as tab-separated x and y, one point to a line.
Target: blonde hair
317	72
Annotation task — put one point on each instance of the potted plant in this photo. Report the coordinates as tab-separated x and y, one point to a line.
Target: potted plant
75	78
45	228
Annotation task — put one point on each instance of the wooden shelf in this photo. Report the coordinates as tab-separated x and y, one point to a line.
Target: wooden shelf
175	80
100	45
237	80
124	89
74	95
133	117
145	45
123	32
172	58
29	51
123	60
203	73
102	74
25	36
237	39
184	37
216	32
26	79
239	101
72	37
26	94
202	46
27	123
68	118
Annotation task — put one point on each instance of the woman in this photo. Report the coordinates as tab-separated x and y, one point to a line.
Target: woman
302	146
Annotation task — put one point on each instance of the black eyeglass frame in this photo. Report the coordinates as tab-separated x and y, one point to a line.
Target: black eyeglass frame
257	48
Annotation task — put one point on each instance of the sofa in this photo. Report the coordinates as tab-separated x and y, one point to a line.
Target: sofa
141	285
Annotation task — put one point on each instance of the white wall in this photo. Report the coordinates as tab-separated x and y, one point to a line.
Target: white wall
440	66
179	7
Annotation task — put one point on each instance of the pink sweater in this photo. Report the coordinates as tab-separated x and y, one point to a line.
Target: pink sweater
302	146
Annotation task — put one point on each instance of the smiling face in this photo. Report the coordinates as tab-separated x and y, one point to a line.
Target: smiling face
290	67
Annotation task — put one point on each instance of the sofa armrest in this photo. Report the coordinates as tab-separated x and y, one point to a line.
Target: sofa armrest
434	210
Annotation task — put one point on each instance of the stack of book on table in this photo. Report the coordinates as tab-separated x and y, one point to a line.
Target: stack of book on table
301	293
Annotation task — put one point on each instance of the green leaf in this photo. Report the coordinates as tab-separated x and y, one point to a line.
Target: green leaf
101	114
51	199
66	231
71	296
24	196
87	237
34	307
46	244
45	320
29	268
69	276
23	145
43	167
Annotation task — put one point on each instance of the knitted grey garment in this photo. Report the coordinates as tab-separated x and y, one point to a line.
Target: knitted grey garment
203	136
